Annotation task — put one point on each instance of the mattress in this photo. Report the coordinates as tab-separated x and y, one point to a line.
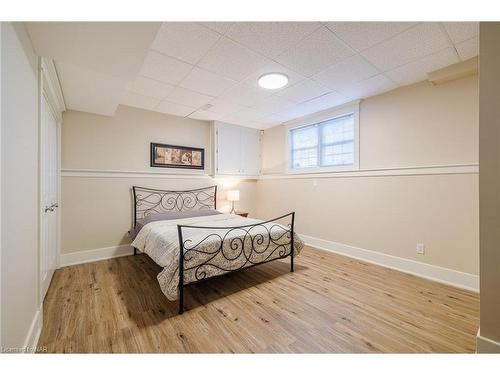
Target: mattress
211	252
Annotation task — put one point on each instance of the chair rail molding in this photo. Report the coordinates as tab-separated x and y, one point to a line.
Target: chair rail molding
67	172
469	168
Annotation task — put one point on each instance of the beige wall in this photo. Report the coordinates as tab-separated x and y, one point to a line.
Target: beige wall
415	126
385	214
122	142
97	211
489	186
421	125
19	193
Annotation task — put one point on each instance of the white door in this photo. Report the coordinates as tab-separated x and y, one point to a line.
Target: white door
250	152
48	195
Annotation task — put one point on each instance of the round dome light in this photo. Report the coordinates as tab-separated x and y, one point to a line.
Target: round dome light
273	81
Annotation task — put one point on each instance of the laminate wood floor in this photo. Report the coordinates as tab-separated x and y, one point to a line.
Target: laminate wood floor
331	303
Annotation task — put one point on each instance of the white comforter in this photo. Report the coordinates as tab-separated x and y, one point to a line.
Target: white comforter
215	251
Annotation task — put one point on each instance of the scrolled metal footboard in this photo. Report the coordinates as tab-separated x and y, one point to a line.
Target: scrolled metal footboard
207	252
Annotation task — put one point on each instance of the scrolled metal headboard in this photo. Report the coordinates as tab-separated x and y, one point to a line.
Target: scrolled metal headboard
154	201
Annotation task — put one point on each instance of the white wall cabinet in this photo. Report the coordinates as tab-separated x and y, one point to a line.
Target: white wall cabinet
236	150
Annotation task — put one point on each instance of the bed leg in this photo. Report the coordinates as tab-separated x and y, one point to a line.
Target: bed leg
181	270
135	251
181	299
292	235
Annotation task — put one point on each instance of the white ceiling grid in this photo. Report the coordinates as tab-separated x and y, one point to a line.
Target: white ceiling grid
209	70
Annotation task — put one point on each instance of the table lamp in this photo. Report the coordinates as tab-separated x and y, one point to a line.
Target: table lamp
233	196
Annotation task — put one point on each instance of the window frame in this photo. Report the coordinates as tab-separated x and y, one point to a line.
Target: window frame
316	119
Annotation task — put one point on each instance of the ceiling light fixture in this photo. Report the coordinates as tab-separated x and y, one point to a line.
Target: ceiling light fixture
273	81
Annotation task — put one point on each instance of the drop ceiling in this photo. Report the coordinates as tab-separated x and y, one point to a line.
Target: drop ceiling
209	70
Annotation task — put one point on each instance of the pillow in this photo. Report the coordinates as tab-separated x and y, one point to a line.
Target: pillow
173	215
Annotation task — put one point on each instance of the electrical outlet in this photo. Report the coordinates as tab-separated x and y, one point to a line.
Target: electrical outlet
420	248
315	182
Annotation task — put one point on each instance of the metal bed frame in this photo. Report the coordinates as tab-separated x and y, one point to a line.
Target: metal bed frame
242	247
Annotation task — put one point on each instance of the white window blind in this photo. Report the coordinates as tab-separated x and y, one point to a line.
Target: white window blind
325	144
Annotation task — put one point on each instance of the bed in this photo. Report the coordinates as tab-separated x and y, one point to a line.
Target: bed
184	234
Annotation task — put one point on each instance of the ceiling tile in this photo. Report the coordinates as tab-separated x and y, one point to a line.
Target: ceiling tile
89	91
325	101
273	104
186	41
139	101
289	115
460	31
115	48
174	108
417	42
188	97
304	90
315	105
315	52
232	60
164	68
220	27
225	106
468	49
417	71
246	93
206	82
149	87
233	119
346	72
249	114
270	38
362	35
368	87
273	120
202	114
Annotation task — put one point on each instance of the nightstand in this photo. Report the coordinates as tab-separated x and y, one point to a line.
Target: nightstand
244	214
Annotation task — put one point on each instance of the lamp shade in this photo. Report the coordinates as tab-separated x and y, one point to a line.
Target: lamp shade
233	195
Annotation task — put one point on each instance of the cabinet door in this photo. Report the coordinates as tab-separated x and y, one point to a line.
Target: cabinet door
228	149
250	152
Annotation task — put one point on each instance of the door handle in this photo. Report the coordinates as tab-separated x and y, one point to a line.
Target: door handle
51	208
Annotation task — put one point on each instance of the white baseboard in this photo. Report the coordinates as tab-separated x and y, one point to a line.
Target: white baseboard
34	332
87	256
443	275
486	345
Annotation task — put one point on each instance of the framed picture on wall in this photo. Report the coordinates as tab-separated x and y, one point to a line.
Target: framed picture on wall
170	156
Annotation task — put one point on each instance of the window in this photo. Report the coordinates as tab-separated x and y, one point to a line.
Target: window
329	144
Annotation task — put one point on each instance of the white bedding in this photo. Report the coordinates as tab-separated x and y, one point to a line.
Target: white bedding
160	241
